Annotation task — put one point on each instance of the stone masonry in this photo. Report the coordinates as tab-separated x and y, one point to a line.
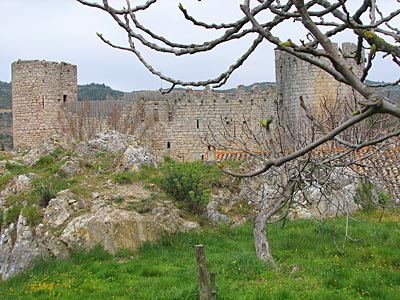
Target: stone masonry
180	124
295	78
184	124
39	90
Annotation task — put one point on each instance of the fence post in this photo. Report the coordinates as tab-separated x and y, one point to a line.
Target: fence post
202	273
213	286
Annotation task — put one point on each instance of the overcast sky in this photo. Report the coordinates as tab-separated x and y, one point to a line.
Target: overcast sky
64	30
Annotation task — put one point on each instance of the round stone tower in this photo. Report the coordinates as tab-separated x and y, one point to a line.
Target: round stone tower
40	89
295	78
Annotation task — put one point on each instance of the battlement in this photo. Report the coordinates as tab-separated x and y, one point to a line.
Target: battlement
178	124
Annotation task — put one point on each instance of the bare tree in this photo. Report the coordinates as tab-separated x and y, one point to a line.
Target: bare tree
322	21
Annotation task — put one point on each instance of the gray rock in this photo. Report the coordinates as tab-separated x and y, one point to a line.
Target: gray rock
48	146
135	157
112	141
72	167
21	183
21	255
116	229
59	209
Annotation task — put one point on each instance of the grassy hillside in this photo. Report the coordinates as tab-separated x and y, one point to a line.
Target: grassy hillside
5	95
91	91
310	267
96	91
248	88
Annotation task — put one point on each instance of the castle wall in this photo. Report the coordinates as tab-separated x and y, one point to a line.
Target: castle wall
39	90
185	125
182	124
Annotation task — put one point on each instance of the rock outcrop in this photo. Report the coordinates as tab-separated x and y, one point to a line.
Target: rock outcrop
102	213
116	229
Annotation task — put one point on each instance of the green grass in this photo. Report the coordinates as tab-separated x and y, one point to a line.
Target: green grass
368	269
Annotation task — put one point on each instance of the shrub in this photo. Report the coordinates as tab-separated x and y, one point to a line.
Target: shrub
47	189
44	161
46	193
364	196
12	214
189	183
16	168
123	178
369	198
32	214
6	178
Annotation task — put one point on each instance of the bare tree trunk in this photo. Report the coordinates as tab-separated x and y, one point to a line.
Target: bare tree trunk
261	243
266	211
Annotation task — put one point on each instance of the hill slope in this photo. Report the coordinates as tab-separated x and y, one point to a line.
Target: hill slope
95	91
5	95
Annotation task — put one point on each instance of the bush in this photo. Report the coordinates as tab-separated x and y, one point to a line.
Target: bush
44	161
369	198
16	168
32	214
189	183
6	178
12	214
364	196
46	193
124	177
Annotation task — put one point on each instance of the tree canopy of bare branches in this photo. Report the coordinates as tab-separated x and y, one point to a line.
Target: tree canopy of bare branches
321	22
372	28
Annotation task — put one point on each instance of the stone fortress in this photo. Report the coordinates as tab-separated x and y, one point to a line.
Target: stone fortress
178	124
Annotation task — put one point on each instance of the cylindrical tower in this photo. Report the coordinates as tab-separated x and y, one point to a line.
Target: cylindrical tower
295	78
39	91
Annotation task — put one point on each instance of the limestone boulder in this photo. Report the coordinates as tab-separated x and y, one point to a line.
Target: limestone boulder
21	183
18	256
72	167
316	203
46	147
112	141
214	207
60	209
115	229
135	157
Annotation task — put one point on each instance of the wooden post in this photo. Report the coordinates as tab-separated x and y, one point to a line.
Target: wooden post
213	286
202	273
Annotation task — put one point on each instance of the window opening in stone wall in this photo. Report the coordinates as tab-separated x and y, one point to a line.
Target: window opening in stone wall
42	101
202	157
170	116
168	145
244	122
64	98
197	124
